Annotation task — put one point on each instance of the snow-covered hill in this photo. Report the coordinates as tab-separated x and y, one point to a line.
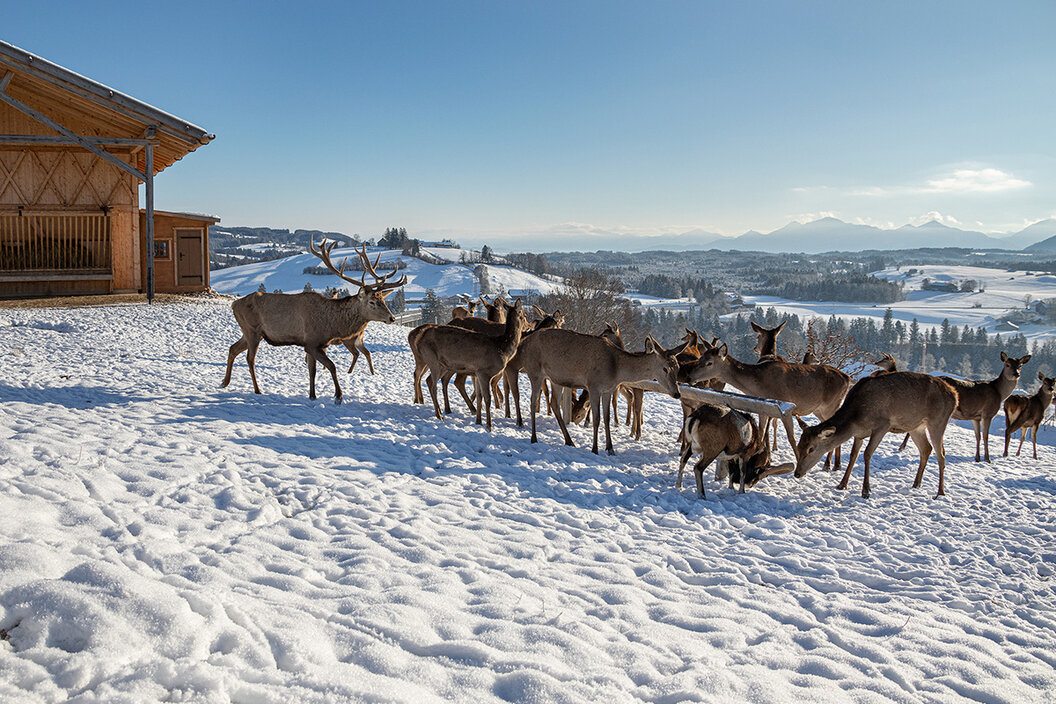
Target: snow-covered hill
162	538
446	280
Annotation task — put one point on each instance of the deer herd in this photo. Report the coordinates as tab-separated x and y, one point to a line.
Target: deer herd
560	363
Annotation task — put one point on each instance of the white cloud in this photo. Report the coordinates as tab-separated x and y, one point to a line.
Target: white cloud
936	216
975	181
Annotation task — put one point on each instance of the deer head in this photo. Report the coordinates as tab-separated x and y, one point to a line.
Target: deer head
370	300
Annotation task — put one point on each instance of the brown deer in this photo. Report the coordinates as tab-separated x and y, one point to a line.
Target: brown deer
979	401
896	402
1027	412
814	388
886	364
445	348
310	320
574	359
466	310
496	310
733	440
766	343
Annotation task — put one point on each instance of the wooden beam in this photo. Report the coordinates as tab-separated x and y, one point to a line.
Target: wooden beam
55	139
98	151
751	404
5	80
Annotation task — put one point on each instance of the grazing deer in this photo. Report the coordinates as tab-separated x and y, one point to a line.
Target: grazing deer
733	440
813	388
979	401
466	310
310	320
896	402
574	359
445	348
511	375
1027	412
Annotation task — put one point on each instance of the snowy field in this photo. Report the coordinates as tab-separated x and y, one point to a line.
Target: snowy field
163	539
450	280
1003	291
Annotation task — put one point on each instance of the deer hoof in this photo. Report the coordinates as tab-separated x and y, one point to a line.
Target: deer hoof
611	452
337	401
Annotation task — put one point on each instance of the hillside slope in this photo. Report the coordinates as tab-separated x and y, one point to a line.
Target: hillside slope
163	538
446	280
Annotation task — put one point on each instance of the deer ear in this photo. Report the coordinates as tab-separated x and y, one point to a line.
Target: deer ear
1041	376
756	327
780	327
723	351
1025	359
1004	357
802	423
385	294
650	346
827	433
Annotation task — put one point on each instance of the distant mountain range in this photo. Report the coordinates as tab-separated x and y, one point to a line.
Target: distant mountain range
831	234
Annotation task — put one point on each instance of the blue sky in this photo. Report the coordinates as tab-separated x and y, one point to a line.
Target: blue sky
488	120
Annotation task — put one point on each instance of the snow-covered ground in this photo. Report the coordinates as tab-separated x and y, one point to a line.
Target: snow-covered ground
1003	291
446	280
162	538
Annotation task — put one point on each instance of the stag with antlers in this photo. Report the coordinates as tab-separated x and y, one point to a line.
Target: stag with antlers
311	320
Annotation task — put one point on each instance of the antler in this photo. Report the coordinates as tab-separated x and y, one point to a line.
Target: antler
382	283
323	253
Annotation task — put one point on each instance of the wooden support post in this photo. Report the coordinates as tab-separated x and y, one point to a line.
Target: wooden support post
148	170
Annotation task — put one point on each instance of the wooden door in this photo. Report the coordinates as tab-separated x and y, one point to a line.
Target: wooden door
190	260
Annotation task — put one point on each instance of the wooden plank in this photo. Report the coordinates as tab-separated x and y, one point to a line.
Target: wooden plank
751	404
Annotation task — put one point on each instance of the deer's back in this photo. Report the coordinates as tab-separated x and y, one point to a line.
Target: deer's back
901	400
976	398
567	357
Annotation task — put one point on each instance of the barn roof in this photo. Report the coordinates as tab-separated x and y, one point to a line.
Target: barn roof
66	96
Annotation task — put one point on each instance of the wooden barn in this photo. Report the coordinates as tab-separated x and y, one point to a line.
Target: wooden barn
72	155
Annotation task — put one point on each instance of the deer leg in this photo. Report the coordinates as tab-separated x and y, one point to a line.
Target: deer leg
975	426
639	415
905	441
232	352
698	472
533	402
1008	435
514	383
1034	437
251	361
431	383
936	434
496	392
419	370
606	404
774	422
311	374
366	353
354	352
867	456
596	402
684	453
985	430
561	421
443	385
855	447
320	354
485	391
460	384
920	439
790	433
